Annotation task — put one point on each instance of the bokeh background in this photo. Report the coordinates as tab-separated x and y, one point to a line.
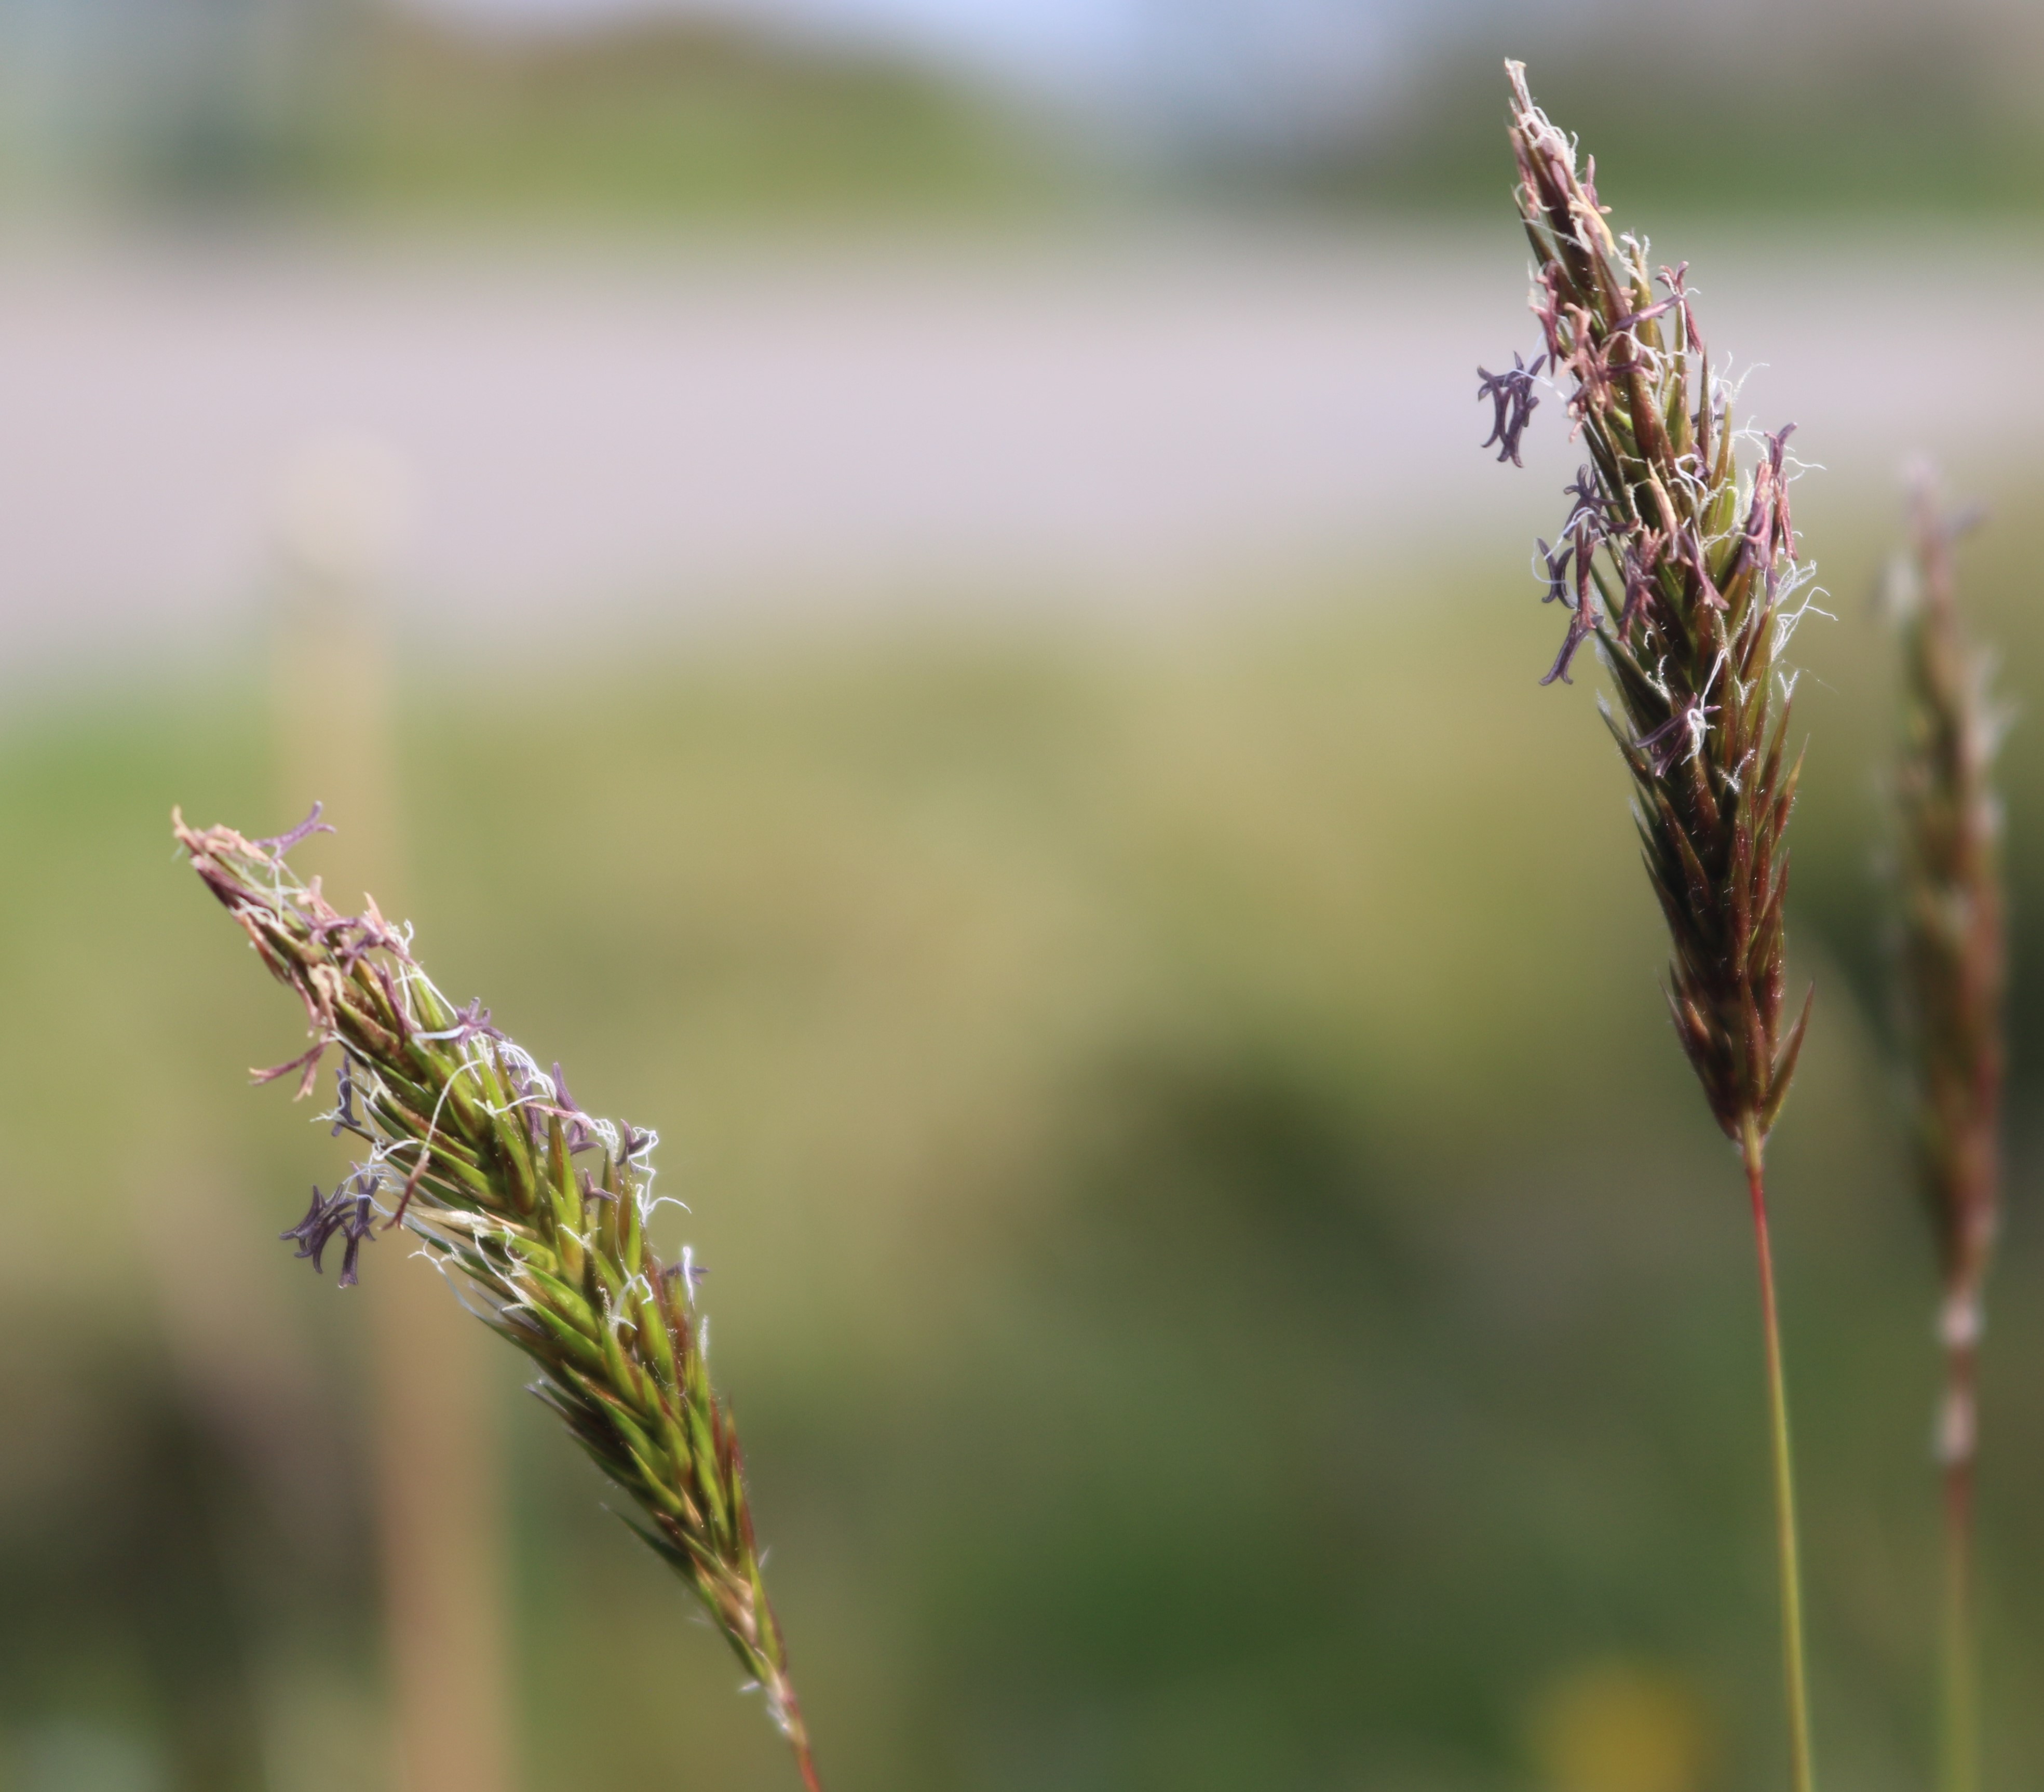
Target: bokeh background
907	586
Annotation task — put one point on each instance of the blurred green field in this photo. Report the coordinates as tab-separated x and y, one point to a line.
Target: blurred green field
675	119
1224	1279
311	110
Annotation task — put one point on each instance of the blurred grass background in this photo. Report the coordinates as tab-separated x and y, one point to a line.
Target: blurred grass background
1225	1278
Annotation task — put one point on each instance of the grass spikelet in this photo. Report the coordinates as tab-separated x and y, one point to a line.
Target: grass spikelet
1678	563
1681	567
537	1209
1952	976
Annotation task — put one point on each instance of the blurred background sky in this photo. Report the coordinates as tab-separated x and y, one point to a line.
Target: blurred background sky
907	586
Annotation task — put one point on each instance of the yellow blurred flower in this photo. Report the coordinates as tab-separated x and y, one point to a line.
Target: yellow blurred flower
1620	1726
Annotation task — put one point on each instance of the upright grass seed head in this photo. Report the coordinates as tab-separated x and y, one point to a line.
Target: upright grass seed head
1952	958
473	1148
1681	567
1952	978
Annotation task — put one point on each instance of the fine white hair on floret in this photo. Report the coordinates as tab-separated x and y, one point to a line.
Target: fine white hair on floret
1690	472
1733	385
1786	623
617	1314
465	1283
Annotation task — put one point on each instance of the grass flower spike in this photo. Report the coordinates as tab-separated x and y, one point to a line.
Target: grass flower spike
1679	566
473	1149
1953	973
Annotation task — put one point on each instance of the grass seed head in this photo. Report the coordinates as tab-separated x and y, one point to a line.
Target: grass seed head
474	1150
1951	935
1678	565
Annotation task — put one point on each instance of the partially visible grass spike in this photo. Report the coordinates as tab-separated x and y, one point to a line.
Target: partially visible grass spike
1953	967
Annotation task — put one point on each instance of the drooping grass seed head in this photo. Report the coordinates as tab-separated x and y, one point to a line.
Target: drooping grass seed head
473	1148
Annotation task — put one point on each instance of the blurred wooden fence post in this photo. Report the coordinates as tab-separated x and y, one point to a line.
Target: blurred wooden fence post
440	1505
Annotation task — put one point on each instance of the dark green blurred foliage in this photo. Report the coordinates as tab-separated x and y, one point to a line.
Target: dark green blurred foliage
1224	1276
122	1587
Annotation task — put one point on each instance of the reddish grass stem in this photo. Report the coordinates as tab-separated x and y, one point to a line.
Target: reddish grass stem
1754	1150
803	1758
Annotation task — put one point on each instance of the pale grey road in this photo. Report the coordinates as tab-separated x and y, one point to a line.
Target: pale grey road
593	438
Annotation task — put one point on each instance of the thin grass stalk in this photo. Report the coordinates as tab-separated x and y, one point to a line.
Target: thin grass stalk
473	1149
436	1452
1953	984
1794	1673
1958	1677
1678	565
